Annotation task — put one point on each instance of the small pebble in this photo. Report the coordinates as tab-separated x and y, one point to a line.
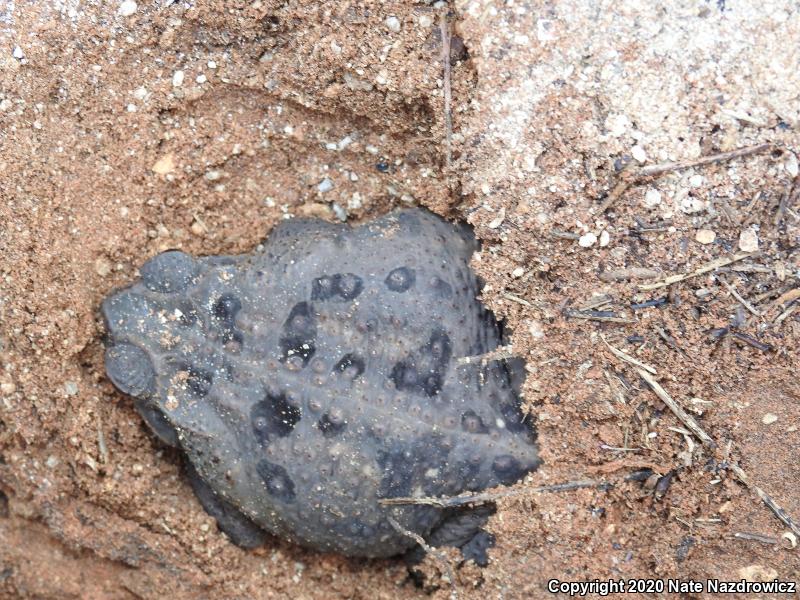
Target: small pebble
177	78
201	78
638	154
326	185
71	388
339	211
127	8
748	240
393	23
616	125
8	387
791	164
518	272
691	205
769	419
18	53
696	181
536	330
196	228
102	267
705	236
164	165
587	240
498	220
652	198
605	239
355	202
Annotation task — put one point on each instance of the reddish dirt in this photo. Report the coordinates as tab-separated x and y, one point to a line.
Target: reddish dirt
105	162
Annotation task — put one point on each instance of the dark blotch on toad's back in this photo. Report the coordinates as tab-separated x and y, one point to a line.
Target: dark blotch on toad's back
308	380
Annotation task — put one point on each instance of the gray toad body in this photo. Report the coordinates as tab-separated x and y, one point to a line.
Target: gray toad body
319	374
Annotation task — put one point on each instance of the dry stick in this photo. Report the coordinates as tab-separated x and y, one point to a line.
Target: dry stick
629	177
756	537
597	302
626	178
677	409
785	314
714	264
438	555
517	299
736	295
771	504
787	200
454	501
788	296
448	94
630	273
662	168
578	315
623	356
499	353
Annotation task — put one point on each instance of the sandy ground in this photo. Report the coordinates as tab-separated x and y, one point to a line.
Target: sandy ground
128	129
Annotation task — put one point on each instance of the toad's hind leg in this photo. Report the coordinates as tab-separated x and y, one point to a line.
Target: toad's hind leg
241	530
460	529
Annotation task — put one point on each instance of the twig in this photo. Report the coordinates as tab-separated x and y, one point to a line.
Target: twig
736	295
662	168
517	299
500	353
429	550
655	302
627	358
598	315
453	501
751	341
787	200
101	444
629	176
789	296
629	273
785	314
766	499
708	520
677	409
597	302
448	94
755	537
710	266
564	235
669	340
619	449
626	178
